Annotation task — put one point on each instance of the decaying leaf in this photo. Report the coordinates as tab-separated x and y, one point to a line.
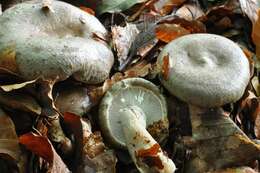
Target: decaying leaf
217	142
236	170
122	38
190	11
168	32
11	87
42	147
9	144
164	7
112	6
20	101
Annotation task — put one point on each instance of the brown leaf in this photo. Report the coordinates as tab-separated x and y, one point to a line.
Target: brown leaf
168	32
219	143
190	11
42	147
236	170
9	144
88	10
20	101
16	86
164	7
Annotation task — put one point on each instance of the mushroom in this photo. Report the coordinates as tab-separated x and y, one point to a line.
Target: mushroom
130	107
207	71
54	44
72	98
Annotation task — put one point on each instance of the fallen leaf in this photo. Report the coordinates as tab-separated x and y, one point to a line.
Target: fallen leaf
190	11
42	147
235	170
249	8
9	144
73	126
122	38
219	143
164	7
112	6
168	32
88	10
11	87
20	101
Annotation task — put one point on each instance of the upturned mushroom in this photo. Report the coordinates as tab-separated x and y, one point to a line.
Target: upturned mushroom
207	71
54	41
131	113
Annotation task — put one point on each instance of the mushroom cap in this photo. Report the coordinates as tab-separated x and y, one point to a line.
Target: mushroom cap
205	70
56	43
140	95
74	99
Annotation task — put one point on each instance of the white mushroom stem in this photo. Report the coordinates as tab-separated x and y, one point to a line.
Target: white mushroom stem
144	150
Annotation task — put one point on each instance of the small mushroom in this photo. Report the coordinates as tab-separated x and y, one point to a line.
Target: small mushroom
54	44
129	108
207	71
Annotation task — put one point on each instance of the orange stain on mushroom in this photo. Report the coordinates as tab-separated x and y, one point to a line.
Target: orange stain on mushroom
8	59
256	35
150	156
165	67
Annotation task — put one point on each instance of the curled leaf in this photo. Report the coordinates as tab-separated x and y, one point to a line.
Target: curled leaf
42	147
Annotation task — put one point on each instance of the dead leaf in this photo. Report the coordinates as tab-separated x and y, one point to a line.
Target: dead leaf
73	126
219	143
42	147
164	7
8	59
10	87
190	11
122	38
20	101
168	32
249	8
235	170
88	10
9	144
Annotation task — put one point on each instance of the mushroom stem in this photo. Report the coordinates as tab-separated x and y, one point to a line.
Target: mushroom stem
144	150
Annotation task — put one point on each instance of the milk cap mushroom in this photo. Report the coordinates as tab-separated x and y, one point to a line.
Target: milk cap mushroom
129	108
56	43
205	70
